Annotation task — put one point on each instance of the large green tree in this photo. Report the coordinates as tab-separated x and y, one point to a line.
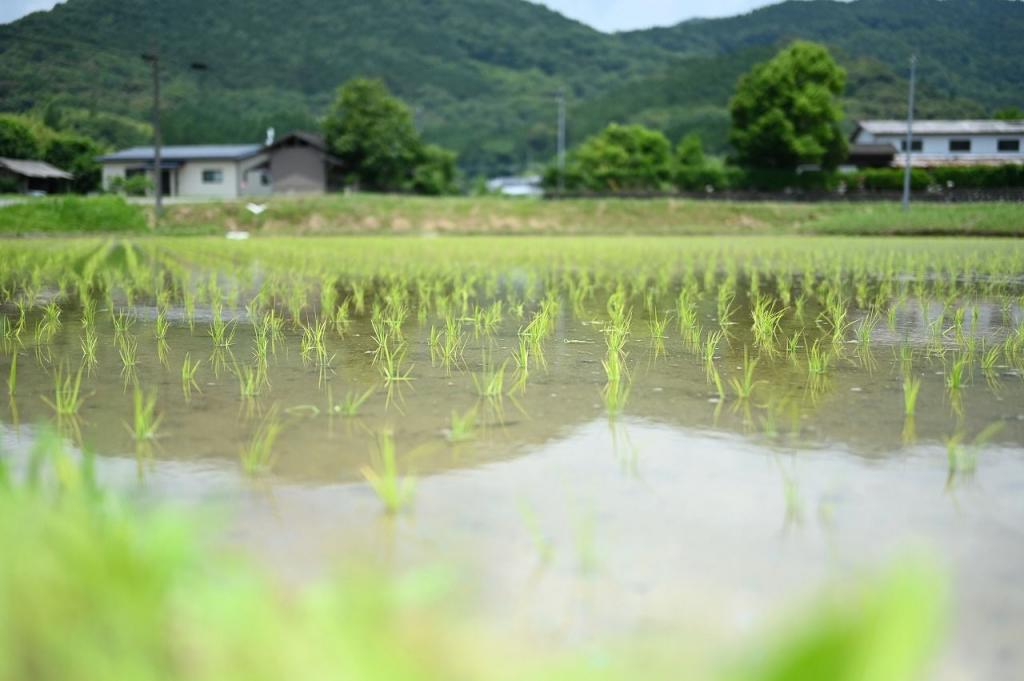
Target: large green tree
620	158
372	132
786	111
77	155
17	139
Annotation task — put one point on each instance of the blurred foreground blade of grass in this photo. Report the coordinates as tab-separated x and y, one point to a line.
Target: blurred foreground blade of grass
93	589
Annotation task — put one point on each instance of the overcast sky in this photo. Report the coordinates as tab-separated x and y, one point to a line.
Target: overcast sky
607	15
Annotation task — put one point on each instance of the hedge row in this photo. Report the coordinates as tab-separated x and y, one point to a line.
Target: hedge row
877	179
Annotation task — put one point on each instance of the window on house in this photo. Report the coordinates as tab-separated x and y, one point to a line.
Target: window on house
1009	145
265	179
213	176
959	145
915	145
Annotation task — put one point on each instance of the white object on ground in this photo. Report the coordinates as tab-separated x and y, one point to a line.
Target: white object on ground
256	208
235	235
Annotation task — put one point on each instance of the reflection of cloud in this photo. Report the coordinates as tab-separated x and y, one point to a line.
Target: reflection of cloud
620	15
14	9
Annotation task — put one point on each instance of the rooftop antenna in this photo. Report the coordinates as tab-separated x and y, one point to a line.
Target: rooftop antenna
910	134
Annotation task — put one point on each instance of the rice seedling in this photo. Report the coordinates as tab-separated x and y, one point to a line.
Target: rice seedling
12	375
463	426
88	343
911	388
834	317
89	312
257	455
391	364
657	325
122	322
957	373
710	347
188	376
145	422
252	381
351	404
393	490
67	391
222	333
725	310
866	329
686	309
745	384
128	350
490	382
766	322
161	325
50	324
989	358
313	345
818	359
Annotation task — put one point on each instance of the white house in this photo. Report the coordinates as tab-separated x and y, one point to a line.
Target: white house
527	185
944	143
300	163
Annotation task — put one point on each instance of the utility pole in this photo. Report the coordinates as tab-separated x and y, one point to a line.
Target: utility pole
158	176
910	134
561	141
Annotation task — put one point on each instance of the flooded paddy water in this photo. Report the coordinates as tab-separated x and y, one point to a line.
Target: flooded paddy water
600	437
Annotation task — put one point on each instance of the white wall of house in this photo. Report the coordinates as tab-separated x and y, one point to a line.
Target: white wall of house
208	179
938	146
110	171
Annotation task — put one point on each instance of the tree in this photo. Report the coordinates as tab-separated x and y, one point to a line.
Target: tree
690	152
372	132
786	111
77	155
621	158
17	140
1010	113
435	172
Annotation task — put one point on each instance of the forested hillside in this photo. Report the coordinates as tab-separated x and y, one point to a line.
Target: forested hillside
481	75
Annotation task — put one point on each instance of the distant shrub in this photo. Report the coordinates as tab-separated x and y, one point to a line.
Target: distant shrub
782	180
975	177
72	214
701	178
136	185
890	179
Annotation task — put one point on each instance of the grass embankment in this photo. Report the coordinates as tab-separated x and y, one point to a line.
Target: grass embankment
493	215
375	214
72	214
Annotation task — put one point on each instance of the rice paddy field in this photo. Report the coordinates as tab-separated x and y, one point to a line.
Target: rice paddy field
614	455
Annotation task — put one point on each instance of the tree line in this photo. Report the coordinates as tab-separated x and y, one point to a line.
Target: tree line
785	133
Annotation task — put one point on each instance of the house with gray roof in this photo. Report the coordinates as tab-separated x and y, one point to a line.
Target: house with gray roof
34	176
942	143
297	163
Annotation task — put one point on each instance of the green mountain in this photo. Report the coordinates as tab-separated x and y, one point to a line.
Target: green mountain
480	74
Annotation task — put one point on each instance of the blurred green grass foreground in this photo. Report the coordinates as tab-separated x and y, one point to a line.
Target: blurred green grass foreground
93	588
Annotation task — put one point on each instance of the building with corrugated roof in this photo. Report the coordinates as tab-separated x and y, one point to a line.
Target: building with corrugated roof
942	143
28	176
